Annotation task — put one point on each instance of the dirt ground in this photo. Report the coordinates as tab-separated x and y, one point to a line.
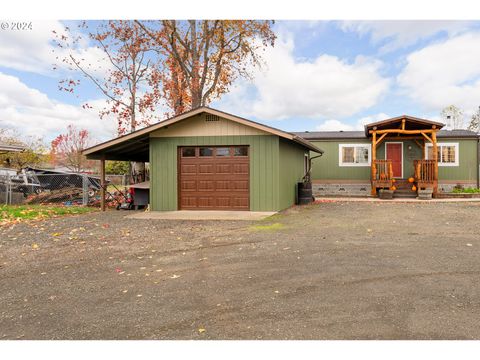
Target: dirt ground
335	270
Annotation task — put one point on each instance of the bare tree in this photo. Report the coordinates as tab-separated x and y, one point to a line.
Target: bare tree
127	75
453	117
475	121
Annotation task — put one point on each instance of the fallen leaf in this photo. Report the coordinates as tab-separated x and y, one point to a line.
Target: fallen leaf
56	234
201	330
34	246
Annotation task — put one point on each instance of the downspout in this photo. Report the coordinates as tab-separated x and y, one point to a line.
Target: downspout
478	162
306	177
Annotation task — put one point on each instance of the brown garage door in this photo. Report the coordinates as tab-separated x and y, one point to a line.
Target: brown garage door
214	178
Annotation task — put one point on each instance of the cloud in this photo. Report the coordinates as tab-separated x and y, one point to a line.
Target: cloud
336	125
325	87
33	113
444	73
34	51
403	33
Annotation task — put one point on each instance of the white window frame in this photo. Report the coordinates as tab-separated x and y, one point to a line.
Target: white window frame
440	163
340	151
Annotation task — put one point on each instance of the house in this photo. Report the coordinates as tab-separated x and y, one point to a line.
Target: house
391	151
206	159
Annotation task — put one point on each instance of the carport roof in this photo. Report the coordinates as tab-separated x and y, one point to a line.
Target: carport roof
135	146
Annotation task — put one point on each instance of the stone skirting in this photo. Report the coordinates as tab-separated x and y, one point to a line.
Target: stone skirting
448	187
324	189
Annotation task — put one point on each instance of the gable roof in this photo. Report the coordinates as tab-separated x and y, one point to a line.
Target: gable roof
412	122
341	135
138	140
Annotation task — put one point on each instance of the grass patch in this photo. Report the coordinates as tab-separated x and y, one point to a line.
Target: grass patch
269	227
466	191
32	212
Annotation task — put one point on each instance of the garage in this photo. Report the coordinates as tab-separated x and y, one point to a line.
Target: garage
214	178
206	159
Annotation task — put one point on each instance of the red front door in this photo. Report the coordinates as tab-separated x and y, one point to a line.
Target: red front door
393	152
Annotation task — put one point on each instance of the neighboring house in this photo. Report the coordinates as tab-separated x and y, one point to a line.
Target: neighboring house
405	144
7	148
206	159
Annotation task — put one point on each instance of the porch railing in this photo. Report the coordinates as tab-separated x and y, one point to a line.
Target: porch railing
382	170
425	172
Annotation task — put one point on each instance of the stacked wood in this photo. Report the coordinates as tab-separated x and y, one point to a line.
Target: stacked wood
60	195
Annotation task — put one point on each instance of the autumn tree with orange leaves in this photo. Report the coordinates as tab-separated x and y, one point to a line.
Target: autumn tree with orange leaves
126	73
202	58
67	149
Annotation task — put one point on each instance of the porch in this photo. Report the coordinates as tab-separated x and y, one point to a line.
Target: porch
419	172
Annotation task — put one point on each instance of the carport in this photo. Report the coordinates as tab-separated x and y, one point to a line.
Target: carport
124	148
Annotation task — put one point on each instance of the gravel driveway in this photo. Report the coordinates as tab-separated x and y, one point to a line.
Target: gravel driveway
335	270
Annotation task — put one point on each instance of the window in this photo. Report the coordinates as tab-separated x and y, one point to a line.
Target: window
223	151
447	153
188	152
240	151
206	151
354	154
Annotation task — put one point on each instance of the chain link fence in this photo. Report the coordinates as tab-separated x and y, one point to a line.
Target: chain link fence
59	189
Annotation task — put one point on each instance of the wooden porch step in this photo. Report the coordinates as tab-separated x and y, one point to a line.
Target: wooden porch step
405	194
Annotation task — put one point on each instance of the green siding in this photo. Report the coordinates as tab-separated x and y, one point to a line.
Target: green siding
264	168
467	161
326	167
291	171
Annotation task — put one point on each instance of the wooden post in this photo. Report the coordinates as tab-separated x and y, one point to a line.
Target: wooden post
373	165
435	157
102	183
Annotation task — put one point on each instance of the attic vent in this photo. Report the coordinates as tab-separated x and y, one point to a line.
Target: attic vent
210	117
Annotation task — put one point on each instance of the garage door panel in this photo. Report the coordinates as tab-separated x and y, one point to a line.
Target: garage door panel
188	169
223	202
222	185
206	202
206	185
188	185
189	201
214	182
223	168
240	185
206	169
240	168
240	202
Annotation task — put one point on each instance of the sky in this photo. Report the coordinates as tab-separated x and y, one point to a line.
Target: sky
320	75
